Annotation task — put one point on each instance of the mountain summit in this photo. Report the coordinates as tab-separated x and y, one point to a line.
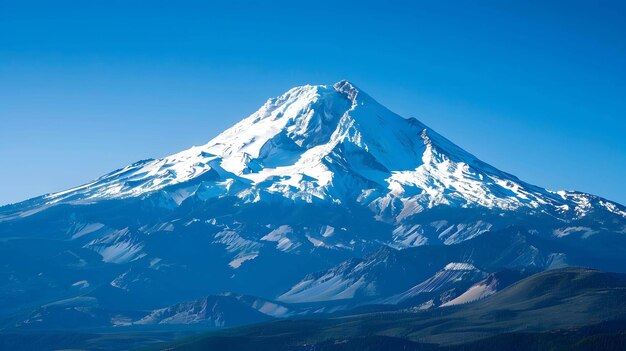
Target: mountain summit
331	143
322	195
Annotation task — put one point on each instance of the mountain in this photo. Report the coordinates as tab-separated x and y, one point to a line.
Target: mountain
564	308
334	144
416	276
446	279
323	198
216	311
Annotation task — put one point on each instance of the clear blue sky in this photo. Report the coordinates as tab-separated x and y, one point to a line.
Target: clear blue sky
538	90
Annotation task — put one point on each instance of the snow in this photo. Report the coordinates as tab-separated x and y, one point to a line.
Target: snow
426	305
474	293
128	279
322	143
330	287
119	246
613	208
118	253
87	229
215	310
201	311
408	236
281	236
294	144
327	231
164	227
325	145
463	231
453	272
81	284
271	309
118	282
237	262
459	266
154	262
237	244
315	242
585	232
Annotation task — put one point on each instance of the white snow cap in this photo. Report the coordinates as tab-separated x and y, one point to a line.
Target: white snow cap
330	143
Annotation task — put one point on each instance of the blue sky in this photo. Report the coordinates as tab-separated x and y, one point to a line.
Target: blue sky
537	89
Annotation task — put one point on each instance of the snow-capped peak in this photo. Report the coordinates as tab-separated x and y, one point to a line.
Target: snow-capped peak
332	143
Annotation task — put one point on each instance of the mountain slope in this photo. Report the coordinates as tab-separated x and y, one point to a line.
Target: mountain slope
313	142
551	300
415	276
318	182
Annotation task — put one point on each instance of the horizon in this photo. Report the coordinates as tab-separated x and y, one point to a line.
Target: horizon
90	89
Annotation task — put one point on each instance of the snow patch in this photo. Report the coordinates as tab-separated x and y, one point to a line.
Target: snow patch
81	284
